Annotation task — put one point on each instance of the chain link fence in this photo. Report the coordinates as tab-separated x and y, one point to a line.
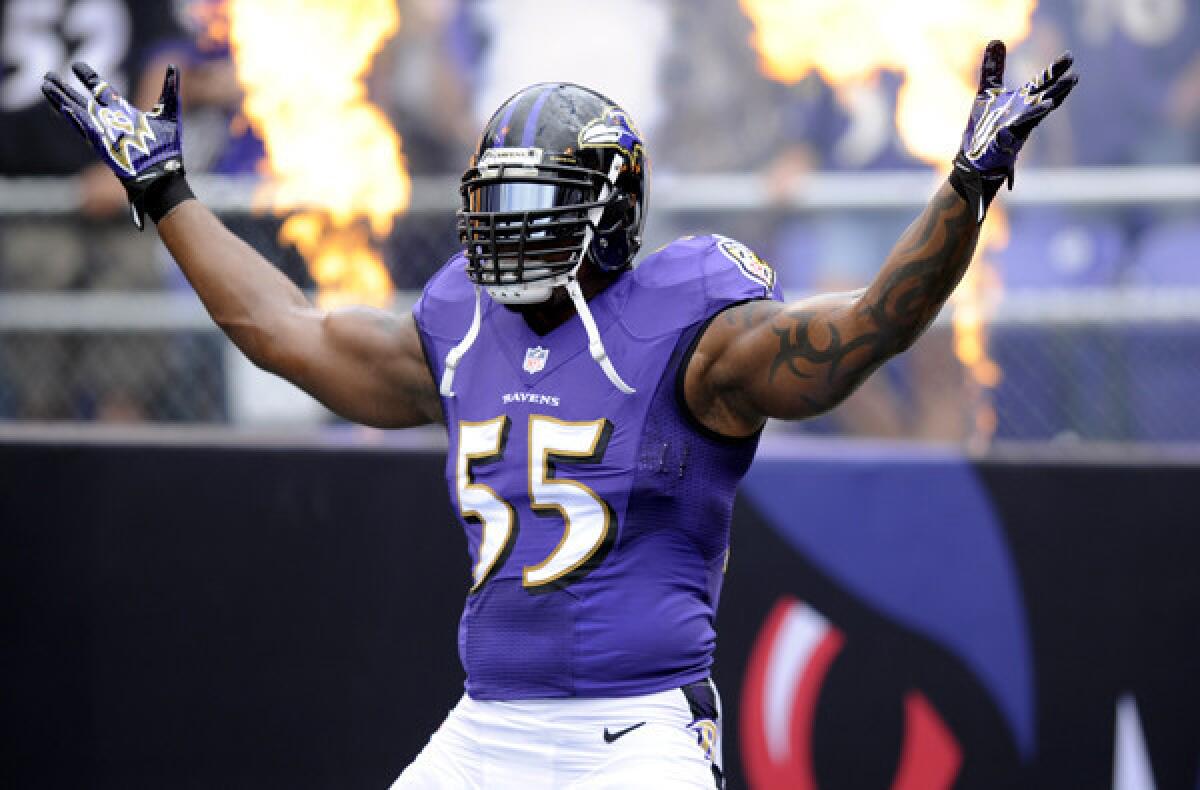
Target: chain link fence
1094	328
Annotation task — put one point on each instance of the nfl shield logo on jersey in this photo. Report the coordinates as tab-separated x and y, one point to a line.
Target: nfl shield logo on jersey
535	359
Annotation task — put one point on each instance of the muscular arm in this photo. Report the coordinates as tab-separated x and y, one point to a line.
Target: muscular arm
763	359
366	365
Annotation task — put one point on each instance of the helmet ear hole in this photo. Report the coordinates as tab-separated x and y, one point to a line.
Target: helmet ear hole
610	251
618	213
618	234
610	248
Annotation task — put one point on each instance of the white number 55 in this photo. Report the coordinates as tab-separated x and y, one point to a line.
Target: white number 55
588	520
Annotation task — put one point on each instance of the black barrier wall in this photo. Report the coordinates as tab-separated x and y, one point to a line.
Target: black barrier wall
241	617
223	618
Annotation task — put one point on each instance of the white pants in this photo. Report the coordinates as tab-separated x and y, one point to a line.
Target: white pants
576	743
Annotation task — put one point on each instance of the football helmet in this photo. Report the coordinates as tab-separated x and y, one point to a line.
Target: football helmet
559	177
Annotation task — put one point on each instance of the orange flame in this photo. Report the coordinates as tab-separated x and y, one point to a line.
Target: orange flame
936	48
337	168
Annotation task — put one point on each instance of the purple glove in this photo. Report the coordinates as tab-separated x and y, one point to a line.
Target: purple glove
1000	123
144	149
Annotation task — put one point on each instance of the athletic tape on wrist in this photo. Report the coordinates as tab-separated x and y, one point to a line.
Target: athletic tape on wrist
165	194
973	187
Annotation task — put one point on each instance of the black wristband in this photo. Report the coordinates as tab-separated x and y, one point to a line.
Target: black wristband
973	186
165	194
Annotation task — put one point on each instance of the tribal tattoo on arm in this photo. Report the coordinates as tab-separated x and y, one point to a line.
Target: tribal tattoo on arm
810	355
764	359
825	351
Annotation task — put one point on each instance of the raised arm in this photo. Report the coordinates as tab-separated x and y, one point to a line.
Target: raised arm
365	364
763	359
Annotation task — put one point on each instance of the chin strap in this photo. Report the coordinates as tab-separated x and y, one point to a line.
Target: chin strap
595	344
455	355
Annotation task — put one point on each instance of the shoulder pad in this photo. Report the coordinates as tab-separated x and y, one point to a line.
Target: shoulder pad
692	279
447	302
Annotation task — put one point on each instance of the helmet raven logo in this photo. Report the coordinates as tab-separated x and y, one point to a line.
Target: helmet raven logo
614	129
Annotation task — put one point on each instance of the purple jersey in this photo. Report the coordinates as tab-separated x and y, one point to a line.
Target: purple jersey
597	522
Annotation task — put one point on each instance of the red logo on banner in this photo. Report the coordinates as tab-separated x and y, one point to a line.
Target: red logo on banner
787	669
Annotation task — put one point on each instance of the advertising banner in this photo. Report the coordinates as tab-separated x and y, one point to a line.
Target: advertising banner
257	617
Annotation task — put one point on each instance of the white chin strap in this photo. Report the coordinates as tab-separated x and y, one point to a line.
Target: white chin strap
595	344
455	355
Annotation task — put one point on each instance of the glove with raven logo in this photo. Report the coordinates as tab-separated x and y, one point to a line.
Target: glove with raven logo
1000	123
144	149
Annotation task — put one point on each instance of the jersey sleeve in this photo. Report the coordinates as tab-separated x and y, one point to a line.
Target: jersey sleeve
447	302
443	312
694	278
735	273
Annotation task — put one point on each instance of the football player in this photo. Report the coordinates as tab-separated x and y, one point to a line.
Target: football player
599	415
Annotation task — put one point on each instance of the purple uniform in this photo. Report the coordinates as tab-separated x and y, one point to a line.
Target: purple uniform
597	522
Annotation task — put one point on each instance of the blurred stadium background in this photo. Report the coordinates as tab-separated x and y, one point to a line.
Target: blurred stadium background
1090	316
1077	338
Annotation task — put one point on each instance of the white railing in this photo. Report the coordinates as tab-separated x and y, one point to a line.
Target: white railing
167	312
1092	186
1080	187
